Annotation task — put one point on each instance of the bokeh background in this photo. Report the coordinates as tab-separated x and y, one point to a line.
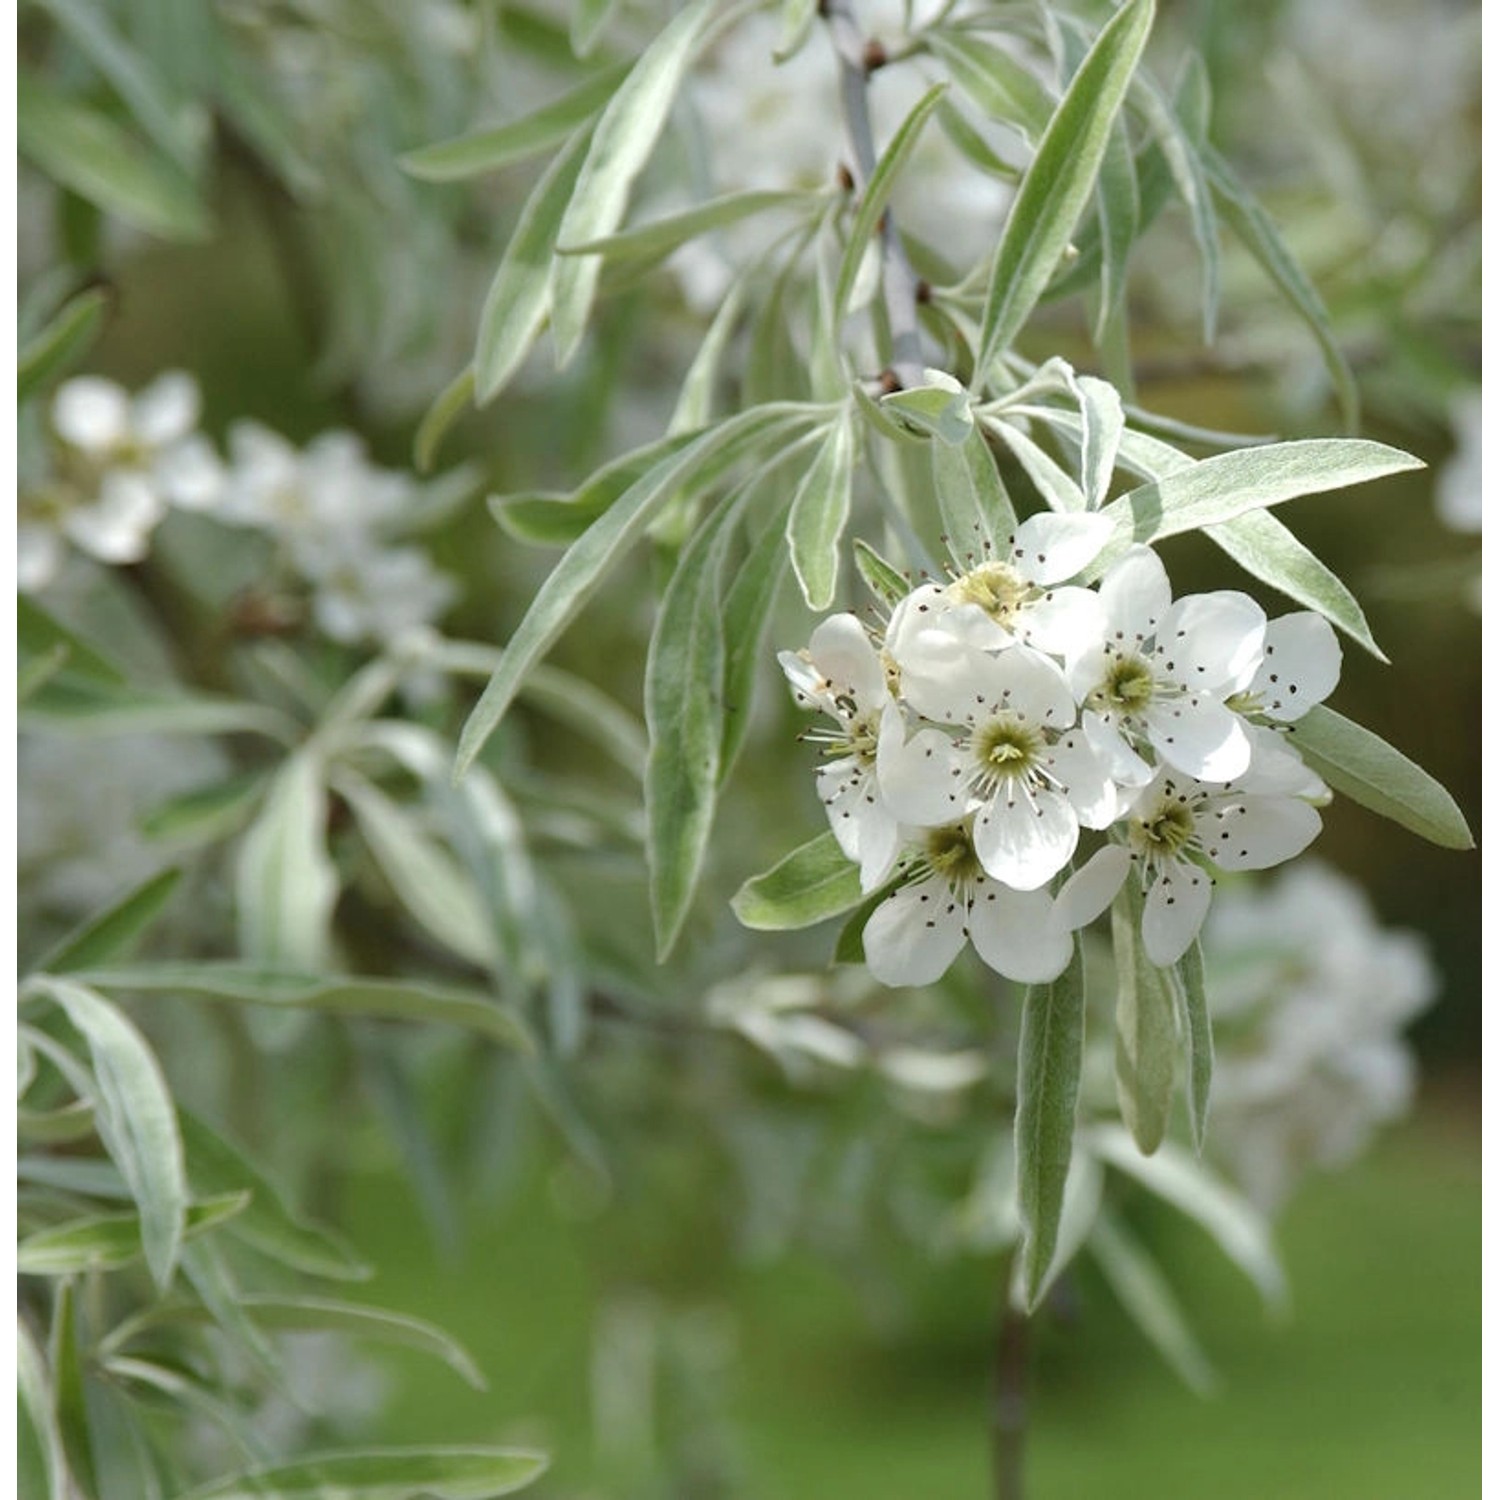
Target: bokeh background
638	1328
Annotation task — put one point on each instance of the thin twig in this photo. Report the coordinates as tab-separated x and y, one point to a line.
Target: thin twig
1008	1414
899	282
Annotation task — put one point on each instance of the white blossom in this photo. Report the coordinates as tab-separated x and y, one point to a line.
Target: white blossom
120	463
1310	995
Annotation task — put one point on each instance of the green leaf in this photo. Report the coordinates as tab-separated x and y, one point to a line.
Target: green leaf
797	17
447	407
520	295
747	612
1057	185
106	1242
1174	1176
385	1474
215	1167
1051	1061
208	813
62	343
660	237
559	520
88	153
581	570
1103	427
1183	162
1363	767
819	513
307	1314
1198	1030
587	24
1145	1027
391	999
937	411
884	581
425	877
33	671
1006	90
1119	219
135	1118
811	884
487	150
976	511
1146	1295
35	1397
1058	488
69	1406
111	932
695	400
685	724
1267	550
1256	230
38	632
86	706
285	882
622	141
875	197
1232	484
178	127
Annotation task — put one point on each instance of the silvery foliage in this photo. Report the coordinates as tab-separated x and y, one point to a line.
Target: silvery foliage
857	394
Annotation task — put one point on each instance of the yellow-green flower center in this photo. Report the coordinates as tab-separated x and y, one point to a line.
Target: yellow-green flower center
995	587
1128	685
1006	748
1163	832
950	854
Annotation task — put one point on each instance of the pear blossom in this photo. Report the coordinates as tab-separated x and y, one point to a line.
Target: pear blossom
842	674
363	592
1160	674
120	463
1180	829
1310	995
939	631
947	901
1020	766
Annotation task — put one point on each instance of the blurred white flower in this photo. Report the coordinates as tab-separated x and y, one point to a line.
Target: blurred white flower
120	462
364	592
1460	489
1310	996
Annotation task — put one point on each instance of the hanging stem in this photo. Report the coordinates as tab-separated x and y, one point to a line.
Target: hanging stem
1009	1411
858	58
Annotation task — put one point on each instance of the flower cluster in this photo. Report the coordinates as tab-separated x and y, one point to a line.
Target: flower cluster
1005	713
121	463
1310	997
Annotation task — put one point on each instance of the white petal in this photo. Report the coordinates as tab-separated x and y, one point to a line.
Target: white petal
879	845
939	669
1018	933
1087	893
117	527
1064	621
1049	547
1254	833
39	554
807	684
1212	643
1122	763
1300	667
1085	781
167	410
842	652
1175	908
1276	769
1026	683
1135	594
921	778
1199	736
914	935
1023	839
190	474
91	413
